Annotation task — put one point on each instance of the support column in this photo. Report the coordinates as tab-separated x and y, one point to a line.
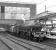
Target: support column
2	12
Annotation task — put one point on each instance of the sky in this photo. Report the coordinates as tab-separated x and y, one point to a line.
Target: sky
40	4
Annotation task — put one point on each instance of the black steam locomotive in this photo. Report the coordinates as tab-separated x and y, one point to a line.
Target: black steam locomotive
28	31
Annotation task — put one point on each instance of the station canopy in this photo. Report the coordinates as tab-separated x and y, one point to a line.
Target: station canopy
45	16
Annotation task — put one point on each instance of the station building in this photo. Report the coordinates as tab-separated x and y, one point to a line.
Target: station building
12	13
17	10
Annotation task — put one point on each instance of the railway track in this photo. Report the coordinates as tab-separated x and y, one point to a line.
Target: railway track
29	44
4	46
26	42
19	44
50	42
23	44
13	45
42	45
32	47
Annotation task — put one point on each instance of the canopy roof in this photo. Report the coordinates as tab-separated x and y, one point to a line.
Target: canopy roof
44	15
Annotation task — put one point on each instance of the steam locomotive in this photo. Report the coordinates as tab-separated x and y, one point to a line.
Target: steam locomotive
36	32
28	31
